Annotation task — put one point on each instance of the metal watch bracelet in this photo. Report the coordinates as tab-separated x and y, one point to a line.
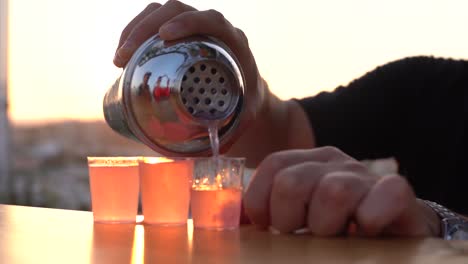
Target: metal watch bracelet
453	226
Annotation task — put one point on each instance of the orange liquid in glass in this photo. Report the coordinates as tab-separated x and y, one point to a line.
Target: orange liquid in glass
165	192
114	193
216	209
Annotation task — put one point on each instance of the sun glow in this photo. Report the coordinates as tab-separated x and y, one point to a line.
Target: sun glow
138	248
60	51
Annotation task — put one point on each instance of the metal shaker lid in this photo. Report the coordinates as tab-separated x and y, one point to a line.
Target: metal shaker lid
173	90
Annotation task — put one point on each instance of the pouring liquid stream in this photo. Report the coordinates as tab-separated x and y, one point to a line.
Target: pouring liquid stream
214	140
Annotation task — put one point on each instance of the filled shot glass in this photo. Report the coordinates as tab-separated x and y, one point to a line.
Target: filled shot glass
165	190
217	192
114	185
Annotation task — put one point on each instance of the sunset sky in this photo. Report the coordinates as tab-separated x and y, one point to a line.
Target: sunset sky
60	56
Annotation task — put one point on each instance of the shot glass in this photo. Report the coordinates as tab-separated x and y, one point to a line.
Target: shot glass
217	192
165	190
114	185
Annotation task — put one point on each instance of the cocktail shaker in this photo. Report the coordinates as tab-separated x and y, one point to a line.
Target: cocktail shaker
170	92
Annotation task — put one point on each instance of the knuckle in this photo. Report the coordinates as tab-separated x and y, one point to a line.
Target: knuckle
330	149
217	16
286	184
334	153
355	166
153	5
277	160
242	35
177	5
336	191
400	189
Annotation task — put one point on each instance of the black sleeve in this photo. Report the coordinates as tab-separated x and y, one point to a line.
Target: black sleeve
411	109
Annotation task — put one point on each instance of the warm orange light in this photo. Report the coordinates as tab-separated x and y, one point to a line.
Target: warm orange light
190	234
216	208
299	55
138	248
154	160
165	190
140	219
114	185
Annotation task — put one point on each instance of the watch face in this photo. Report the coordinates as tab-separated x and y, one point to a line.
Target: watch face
456	229
461	234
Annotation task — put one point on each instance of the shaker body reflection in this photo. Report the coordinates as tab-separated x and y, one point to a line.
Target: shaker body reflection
170	91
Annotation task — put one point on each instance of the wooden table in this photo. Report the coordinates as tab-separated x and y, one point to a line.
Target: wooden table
38	235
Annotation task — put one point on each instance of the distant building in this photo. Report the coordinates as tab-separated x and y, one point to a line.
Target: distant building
4	127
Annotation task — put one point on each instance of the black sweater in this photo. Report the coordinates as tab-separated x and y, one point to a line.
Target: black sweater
414	110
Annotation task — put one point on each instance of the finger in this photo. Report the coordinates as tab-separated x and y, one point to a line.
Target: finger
257	196
335	200
213	23
148	27
148	10
290	195
209	22
388	201
414	222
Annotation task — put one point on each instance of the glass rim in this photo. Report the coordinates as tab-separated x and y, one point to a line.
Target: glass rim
163	159
112	160
156	160
219	157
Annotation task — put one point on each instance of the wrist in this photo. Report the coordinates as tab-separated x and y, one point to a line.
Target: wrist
452	226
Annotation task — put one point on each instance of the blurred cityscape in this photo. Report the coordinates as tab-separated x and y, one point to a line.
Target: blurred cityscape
49	166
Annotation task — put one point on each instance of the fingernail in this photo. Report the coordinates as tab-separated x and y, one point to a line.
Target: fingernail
171	31
124	52
117	60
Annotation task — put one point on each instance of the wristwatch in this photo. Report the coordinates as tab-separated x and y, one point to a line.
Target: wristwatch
453	226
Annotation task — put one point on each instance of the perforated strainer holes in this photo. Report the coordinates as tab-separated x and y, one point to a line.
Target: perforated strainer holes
206	90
